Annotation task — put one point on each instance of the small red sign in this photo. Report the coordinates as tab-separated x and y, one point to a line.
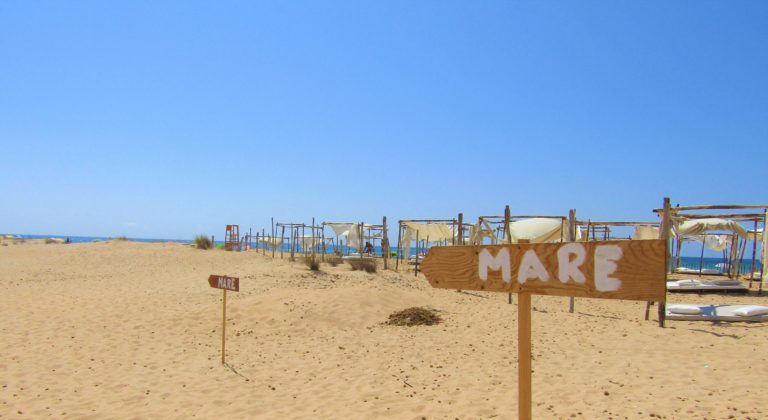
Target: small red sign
224	282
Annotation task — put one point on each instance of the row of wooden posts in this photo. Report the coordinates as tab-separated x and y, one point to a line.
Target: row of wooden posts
599	230
734	258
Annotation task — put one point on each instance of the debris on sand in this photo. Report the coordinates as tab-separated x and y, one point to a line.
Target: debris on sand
414	316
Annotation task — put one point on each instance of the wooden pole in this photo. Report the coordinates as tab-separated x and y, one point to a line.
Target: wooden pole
741	258
360	242
282	238
754	255
384	242
461	228
701	258
416	266
223	326
322	234
571	238
524	356
507	238
764	257
313	236
274	242
666	224
397	257
732	255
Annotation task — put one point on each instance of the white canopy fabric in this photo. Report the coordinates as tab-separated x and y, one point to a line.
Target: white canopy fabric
267	240
537	230
701	226
713	242
432	232
352	232
645	232
306	241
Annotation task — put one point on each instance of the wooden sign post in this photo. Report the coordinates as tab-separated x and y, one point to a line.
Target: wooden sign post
632	270
225	283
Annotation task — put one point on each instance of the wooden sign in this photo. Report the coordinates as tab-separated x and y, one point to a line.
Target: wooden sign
628	269
633	270
223	282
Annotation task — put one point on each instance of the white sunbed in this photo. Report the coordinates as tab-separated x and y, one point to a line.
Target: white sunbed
686	270
734	313
690	285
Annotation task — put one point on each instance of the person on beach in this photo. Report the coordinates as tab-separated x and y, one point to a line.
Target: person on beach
368	248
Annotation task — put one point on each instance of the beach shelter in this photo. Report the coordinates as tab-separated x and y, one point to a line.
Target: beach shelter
537	230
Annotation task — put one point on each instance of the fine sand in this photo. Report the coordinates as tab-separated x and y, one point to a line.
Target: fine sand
121	330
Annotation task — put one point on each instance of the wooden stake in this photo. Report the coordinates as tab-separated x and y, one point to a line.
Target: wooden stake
223	326
384	242
754	254
524	356
274	242
666	225
322	234
507	237
416	266
461	228
572	238
397	257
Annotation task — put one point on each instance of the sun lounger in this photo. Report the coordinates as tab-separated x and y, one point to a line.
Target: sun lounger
733	313
690	285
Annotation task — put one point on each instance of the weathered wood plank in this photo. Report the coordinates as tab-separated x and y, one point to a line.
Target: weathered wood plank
637	266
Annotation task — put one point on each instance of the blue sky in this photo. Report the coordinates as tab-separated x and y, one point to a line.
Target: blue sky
167	119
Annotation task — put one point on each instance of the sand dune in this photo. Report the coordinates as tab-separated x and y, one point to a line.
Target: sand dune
121	329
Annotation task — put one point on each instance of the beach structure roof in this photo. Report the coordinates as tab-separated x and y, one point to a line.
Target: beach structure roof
537	230
701	226
352	231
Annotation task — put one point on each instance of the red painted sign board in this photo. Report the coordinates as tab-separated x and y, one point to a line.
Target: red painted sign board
223	282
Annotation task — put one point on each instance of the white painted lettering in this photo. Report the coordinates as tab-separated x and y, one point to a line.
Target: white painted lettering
531	268
499	262
222	283
606	257
568	268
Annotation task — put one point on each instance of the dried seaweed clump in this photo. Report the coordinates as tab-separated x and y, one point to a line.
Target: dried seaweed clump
414	316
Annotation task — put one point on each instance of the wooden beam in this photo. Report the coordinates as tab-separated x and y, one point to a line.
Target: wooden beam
525	394
714	207
572	238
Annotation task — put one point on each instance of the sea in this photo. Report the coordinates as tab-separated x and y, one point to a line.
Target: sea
689	262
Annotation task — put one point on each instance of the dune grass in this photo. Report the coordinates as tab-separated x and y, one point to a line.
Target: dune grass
202	242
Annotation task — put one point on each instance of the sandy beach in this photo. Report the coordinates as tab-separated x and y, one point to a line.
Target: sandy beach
132	330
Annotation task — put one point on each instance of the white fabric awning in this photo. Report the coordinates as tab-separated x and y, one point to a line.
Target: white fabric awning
537	230
701	226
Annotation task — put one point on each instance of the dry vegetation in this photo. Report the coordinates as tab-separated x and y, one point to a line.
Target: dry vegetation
414	316
333	260
312	261
366	264
203	242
